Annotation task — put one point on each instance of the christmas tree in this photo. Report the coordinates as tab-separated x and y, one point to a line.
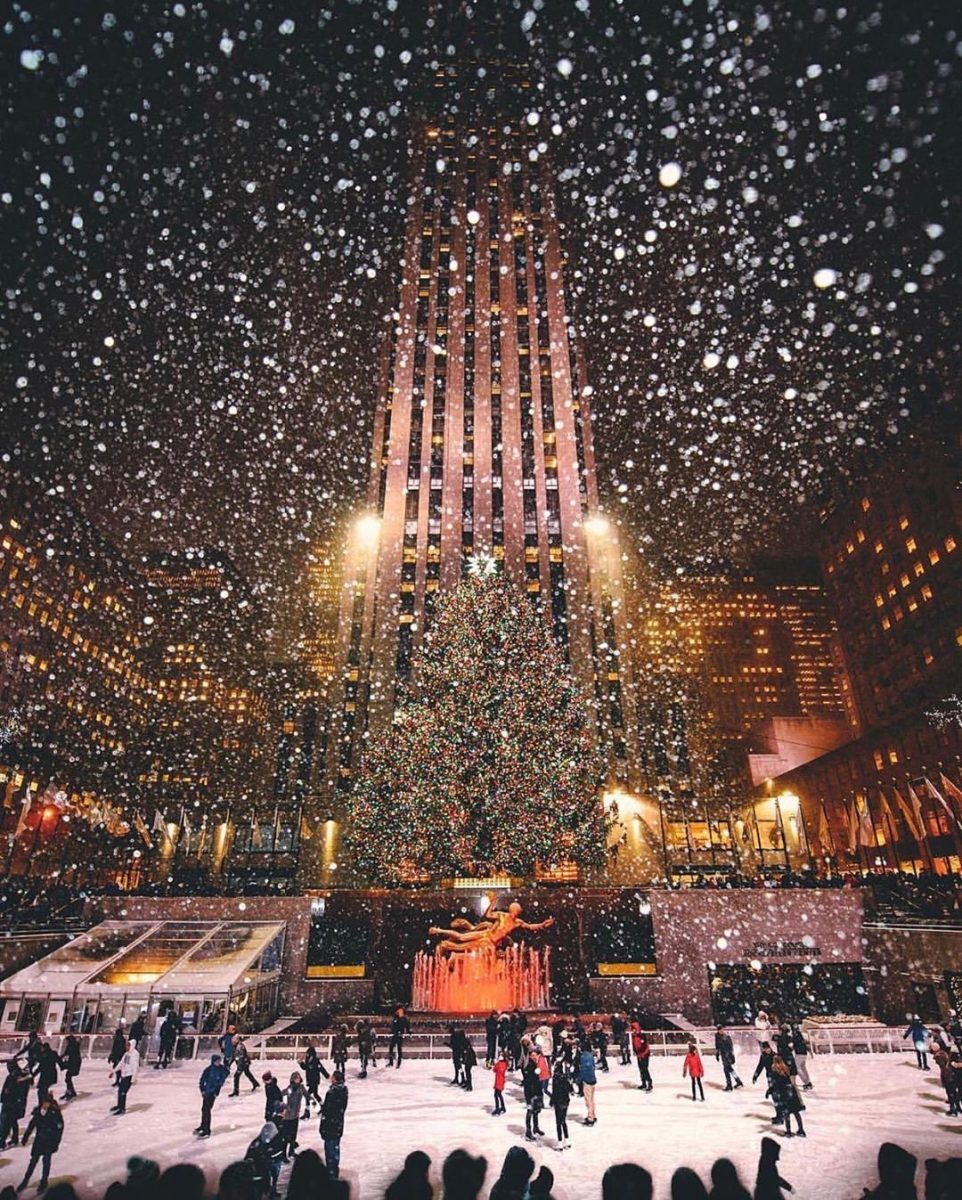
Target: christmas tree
490	766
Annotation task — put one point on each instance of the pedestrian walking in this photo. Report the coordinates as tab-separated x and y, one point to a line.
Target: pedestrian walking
313	1069
533	1097
46	1124
642	1049
768	1182
70	1060
468	1063
694	1068
400	1028
560	1099
725	1054
586	1073
788	1103
500	1071
13	1102
920	1040
490	1038
212	1079
332	1122
295	1097
801	1056
127	1070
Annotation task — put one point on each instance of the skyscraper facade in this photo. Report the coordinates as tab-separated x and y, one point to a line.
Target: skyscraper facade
482	433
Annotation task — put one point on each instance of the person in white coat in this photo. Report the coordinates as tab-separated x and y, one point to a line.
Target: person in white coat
127	1070
762	1027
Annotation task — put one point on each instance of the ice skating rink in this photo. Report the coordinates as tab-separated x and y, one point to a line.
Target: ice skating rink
858	1102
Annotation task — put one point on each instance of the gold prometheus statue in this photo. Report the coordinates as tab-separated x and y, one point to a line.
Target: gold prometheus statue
493	928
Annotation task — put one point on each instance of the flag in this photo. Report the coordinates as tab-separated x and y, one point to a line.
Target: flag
159	825
825	839
201	837
306	831
255	834
913	818
851	824
24	813
934	792
892	832
916	808
866	830
142	830
949	788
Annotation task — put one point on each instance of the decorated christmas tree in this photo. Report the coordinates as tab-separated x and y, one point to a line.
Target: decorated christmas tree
490	766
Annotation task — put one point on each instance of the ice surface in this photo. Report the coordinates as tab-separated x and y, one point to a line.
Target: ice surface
858	1102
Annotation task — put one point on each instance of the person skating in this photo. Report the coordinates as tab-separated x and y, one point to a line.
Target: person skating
400	1028
490	1039
468	1063
943	1062
599	1042
533	1097
47	1065
242	1066
265	1154
544	1071
46	1124
138	1032
273	1098
70	1060
801	1056
642	1049
126	1075
788	1102
332	1123
313	1069
762	1027
169	1032
365	1046
768	1182
920	1040
456	1044
226	1043
118	1047
766	1057
340	1047
955	1083
619	1035
588	1078
694	1068
211	1081
560	1099
725	1054
500	1071
785	1049
13	1102
31	1049
295	1097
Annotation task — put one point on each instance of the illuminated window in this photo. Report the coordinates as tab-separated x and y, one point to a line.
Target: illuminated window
913	604
928	657
866	504
933	557
911	545
903	522
886	623
918	569
949	544
879	546
850	547
926	592
879	760
878	600
904	579
893	756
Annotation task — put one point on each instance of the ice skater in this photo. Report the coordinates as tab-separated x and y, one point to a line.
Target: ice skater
273	1098
212	1079
920	1040
533	1098
599	1042
313	1069
295	1097
725	1054
169	1032
801	1056
13	1102
127	1070
332	1123
340	1046
694	1068
468	1062
788	1103
46	1124
242	1066
560	1099
70	1060
365	1046
588	1079
400	1028
490	1039
642	1049
500	1071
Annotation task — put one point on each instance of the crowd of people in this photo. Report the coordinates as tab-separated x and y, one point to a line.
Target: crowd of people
551	1065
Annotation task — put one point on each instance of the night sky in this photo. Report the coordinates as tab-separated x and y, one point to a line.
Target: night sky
200	210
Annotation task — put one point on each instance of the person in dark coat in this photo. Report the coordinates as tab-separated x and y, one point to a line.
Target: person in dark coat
800	1043
766	1057
332	1123
619	1035
226	1044
273	1097
540	1187
365	1046
468	1063
242	1066
686	1184
533	1098
212	1079
46	1124
560	1099
920	1040
138	1031
768	1182
599	1043
725	1054
265	1154
169	1032
413	1182
462	1176
47	1074
456	1043
13	1102
626	1181
517	1169
70	1060
725	1184
490	1039
787	1101
400	1028
642	1049
785	1049
118	1047
340	1047
31	1048
313	1069
896	1173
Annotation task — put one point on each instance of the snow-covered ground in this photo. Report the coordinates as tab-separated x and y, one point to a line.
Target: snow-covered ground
858	1102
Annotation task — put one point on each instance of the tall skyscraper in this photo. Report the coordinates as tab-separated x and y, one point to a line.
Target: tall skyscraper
482	433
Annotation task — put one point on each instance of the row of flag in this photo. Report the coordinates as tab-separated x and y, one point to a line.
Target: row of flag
859	824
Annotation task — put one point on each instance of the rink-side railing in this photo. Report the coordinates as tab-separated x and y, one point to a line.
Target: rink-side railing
284	1047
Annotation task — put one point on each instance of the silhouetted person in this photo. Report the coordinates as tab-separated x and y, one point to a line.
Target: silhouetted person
237	1182
462	1175
310	1178
183	1181
896	1173
626	1181
725	1184
943	1180
768	1182
517	1169
413	1182
686	1185
540	1187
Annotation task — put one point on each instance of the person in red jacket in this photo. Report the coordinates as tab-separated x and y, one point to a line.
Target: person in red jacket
500	1070
694	1068
642	1049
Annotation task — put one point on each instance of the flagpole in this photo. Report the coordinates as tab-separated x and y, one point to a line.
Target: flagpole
887	827
924	844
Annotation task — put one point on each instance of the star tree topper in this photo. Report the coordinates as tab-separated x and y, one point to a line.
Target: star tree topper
482	566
